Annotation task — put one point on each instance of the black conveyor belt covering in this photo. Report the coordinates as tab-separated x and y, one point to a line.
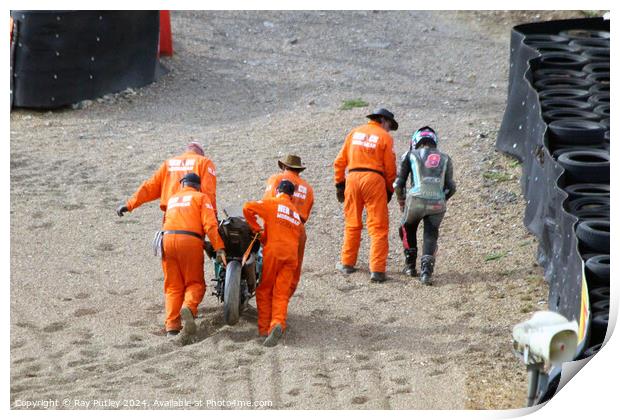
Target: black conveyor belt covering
523	134
63	57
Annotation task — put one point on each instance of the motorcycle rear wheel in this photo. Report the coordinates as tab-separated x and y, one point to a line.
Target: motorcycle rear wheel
232	292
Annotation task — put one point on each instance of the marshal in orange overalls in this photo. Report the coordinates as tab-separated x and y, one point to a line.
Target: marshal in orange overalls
165	181
303	199
280	238
183	257
368	155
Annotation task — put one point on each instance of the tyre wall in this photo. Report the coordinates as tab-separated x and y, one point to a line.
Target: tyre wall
555	68
62	57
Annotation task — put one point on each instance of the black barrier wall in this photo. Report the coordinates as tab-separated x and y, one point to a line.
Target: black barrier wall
524	134
63	57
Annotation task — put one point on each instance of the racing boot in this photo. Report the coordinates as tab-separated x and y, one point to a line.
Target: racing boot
411	255
427	264
189	324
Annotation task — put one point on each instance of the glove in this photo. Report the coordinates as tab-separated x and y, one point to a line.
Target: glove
340	191
220	256
260	237
389	195
121	209
208	247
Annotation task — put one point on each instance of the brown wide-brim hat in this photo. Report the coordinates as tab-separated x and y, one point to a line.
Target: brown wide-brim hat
382	112
292	162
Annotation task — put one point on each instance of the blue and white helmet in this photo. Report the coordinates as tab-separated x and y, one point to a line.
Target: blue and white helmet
424	133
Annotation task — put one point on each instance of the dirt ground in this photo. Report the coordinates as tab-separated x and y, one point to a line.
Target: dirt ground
86	293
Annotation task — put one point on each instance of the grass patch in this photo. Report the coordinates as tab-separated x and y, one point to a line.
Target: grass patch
526	309
497	176
353	103
514	164
591	13
533	277
506	273
524	243
495	256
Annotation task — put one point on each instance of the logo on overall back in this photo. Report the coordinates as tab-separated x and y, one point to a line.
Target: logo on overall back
287	214
301	192
361	139
175	165
183	201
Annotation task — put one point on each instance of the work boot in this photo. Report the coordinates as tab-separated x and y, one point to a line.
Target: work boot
427	264
411	255
377	277
189	324
274	336
345	269
172	333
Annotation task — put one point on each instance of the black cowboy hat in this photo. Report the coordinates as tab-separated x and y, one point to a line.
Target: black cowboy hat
382	112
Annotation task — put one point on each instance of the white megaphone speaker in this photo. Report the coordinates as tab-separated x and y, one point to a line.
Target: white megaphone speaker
546	338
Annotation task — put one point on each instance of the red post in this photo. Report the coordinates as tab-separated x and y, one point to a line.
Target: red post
165	33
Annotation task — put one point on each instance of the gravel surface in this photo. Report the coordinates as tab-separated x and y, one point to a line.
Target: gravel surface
86	293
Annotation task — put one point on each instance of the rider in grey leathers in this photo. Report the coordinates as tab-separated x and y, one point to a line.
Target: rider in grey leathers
431	186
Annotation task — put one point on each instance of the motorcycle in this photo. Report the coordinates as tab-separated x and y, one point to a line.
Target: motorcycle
236	282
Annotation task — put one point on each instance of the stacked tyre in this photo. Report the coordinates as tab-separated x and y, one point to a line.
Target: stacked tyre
572	79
